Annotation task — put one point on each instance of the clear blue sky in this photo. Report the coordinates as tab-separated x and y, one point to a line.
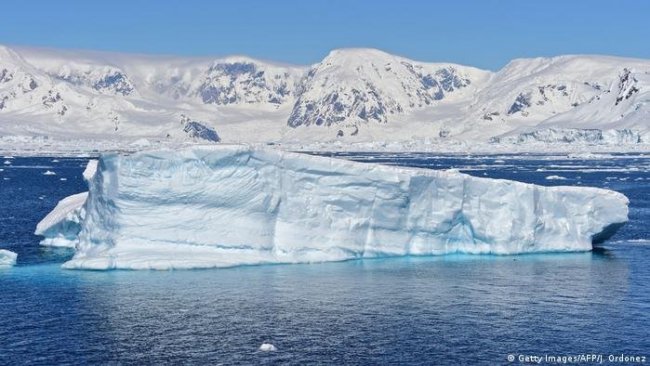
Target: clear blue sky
482	33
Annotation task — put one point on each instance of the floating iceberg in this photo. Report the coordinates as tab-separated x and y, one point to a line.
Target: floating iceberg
62	225
267	347
7	258
234	205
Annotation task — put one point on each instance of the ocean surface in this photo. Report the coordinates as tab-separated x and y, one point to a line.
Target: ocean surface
455	309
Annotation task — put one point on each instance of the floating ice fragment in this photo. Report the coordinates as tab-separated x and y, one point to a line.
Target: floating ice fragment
49	172
555	177
7	258
267	347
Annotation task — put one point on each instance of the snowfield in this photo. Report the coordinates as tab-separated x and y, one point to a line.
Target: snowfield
64	102
222	206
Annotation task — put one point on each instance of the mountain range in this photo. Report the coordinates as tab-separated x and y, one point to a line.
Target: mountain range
351	96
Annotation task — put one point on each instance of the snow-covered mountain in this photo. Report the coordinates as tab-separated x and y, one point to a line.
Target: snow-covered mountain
549	98
354	86
351	96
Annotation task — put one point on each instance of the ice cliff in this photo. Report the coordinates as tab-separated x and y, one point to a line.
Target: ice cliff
234	205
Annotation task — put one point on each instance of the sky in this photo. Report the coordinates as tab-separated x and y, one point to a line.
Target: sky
481	33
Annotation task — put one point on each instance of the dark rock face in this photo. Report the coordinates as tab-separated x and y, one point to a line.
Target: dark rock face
200	131
627	86
112	82
522	102
230	83
6	76
363	100
116	83
450	81
51	98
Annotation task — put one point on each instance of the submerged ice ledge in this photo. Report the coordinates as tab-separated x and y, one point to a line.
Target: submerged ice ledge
232	205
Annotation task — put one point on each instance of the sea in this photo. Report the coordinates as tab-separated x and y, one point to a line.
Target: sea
437	310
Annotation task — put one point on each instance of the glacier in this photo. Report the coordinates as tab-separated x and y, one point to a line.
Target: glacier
229	205
7	258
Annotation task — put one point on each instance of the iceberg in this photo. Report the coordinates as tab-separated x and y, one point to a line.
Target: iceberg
232	205
7	258
61	227
267	347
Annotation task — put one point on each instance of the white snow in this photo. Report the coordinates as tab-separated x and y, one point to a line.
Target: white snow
49	172
354	99
7	258
227	205
267	347
141	143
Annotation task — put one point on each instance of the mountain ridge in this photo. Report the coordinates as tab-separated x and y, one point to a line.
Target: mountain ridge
352	95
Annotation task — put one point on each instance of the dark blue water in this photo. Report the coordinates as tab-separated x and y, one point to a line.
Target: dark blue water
429	310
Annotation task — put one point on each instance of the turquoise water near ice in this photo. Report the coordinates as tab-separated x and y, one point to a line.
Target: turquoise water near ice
455	309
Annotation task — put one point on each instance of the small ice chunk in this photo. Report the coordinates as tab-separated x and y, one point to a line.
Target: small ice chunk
63	179
267	347
7	162
555	177
49	172
8	259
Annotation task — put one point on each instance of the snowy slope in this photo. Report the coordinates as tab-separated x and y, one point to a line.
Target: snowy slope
229	205
352	96
365	85
567	92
